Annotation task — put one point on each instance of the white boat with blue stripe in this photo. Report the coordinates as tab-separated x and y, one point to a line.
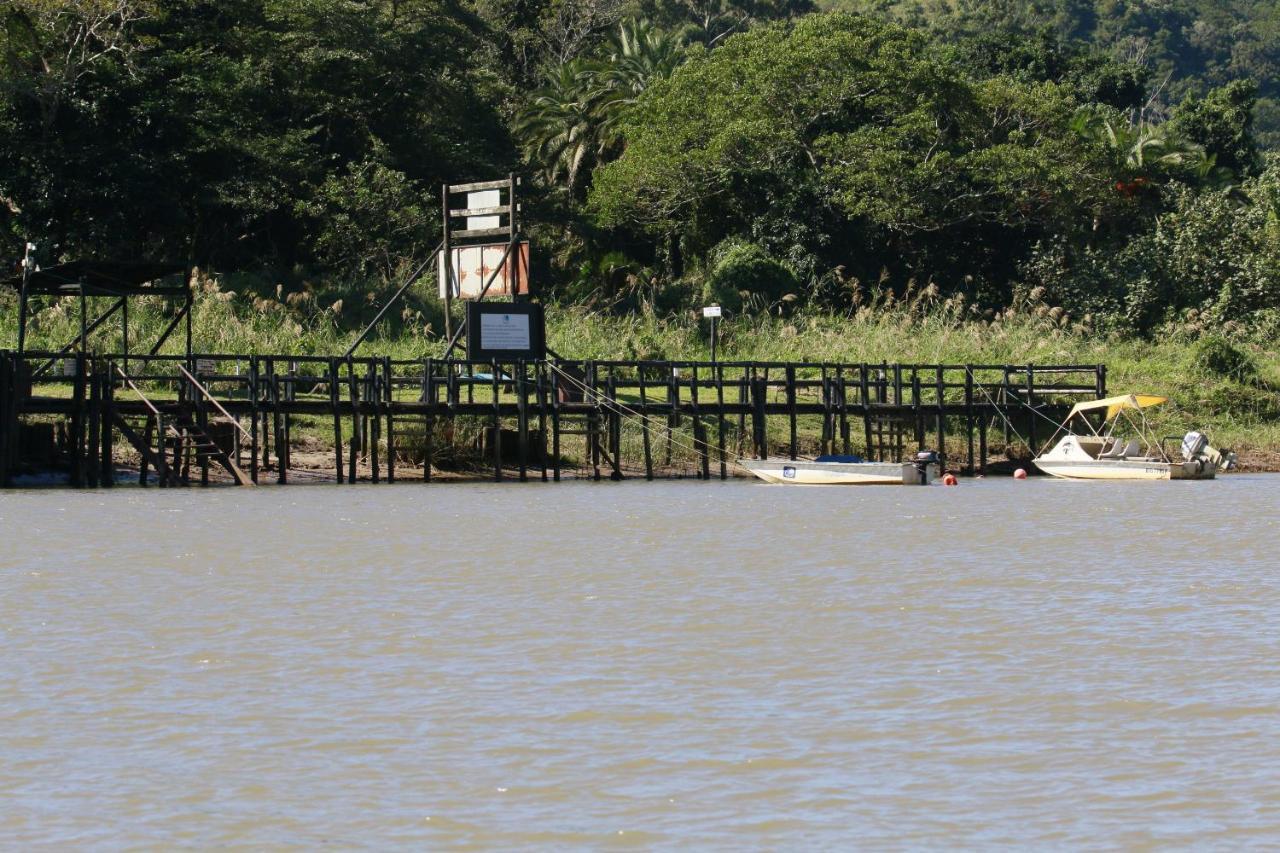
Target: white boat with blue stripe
845	471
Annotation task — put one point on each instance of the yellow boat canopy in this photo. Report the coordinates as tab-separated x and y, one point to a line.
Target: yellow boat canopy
1114	405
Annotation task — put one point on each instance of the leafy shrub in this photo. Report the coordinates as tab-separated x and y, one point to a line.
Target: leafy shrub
1217	357
744	277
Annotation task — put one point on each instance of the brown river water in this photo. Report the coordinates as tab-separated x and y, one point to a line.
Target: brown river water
663	665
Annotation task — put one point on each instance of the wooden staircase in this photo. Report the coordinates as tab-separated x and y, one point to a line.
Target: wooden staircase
177	430
203	445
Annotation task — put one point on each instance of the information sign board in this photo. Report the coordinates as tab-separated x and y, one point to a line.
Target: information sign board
504	330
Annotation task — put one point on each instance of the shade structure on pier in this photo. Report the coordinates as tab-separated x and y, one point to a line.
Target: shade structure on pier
117	280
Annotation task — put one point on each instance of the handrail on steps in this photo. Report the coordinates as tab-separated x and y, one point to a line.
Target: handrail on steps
138	391
205	391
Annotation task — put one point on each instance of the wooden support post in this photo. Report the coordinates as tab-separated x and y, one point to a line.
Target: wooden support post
555	426
842	389
202	421
827	438
673	408
77	423
982	445
277	425
522	418
389	398
942	412
353	455
108	426
93	463
703	461
1005	393
173	477
615	427
864	393
917	408
143	463
255	401
1031	409
594	426
373	394
970	468
791	407
264	403
724	461
7	391
644	421
429	421
337	420
540	375
497	425
759	420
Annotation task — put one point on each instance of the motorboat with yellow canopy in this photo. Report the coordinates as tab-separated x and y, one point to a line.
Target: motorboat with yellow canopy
1122	446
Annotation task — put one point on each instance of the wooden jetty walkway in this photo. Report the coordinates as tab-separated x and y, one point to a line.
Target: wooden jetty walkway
184	417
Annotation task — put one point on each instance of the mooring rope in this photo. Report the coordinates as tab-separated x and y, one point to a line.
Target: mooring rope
621	409
1000	411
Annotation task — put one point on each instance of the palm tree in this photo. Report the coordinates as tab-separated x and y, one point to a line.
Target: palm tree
639	55
574	121
1146	153
559	125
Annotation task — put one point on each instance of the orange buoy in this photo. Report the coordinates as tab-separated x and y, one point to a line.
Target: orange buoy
950	480
1020	474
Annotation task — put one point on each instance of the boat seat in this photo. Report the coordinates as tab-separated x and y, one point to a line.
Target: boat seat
1116	451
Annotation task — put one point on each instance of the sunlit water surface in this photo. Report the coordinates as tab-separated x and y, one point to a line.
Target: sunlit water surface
665	665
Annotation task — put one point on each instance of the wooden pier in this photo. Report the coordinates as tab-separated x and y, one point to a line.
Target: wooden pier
199	418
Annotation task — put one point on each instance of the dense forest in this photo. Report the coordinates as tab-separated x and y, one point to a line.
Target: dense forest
1110	161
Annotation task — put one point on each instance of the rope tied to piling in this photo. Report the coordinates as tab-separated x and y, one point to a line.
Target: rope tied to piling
612	403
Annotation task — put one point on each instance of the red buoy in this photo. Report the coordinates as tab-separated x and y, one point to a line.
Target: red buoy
950	480
1020	474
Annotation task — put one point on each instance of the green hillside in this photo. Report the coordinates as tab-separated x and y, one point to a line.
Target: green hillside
1194	45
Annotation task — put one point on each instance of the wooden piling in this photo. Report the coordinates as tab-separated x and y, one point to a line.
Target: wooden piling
718	372
7	393
968	416
791	408
337	421
497	426
644	423
373	407
389	398
93	463
522	419
353	454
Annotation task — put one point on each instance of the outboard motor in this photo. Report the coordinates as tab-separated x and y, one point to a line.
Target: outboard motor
1193	444
927	464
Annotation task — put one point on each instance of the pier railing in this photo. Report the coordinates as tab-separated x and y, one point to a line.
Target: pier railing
633	416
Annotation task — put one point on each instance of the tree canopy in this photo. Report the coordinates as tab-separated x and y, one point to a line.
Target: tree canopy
756	149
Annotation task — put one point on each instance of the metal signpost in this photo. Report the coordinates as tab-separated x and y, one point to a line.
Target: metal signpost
712	313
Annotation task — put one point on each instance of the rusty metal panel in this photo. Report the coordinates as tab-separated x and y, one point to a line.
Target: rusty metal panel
472	266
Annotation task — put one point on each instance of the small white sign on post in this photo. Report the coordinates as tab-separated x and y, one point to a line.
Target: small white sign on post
711	311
